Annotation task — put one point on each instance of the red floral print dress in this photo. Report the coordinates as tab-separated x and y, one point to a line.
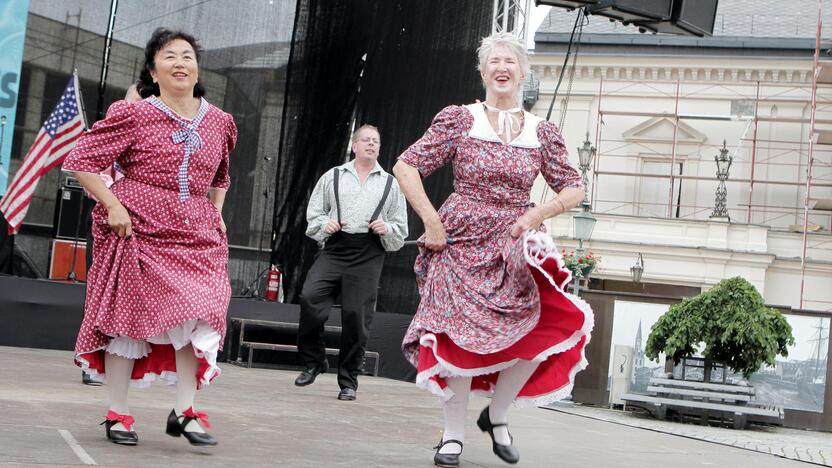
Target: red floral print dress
488	300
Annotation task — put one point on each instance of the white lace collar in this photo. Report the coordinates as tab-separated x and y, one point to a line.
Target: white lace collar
482	129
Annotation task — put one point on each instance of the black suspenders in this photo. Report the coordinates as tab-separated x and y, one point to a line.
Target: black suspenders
336	174
383	198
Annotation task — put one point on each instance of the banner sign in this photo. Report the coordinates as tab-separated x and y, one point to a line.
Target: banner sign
13	15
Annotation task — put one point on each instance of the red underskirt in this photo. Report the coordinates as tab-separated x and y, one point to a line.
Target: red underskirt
557	342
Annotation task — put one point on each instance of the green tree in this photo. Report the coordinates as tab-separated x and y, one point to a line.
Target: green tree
732	322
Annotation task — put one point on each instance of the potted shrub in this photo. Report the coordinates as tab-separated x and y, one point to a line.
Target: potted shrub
729	324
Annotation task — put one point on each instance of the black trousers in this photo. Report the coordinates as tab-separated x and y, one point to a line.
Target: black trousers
349	264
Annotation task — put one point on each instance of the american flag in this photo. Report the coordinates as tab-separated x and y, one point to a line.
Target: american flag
55	140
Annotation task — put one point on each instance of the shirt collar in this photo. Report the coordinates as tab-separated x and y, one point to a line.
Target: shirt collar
350	166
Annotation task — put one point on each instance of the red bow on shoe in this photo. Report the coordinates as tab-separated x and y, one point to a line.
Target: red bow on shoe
125	419
198	415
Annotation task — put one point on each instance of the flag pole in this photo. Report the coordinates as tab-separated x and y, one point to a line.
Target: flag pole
72	276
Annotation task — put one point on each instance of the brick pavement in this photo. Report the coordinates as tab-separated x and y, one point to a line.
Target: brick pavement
806	446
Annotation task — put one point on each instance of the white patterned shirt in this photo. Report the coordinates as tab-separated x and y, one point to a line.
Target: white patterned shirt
358	202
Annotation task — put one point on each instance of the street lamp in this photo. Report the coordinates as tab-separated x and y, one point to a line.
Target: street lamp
585	155
638	269
584	224
723	165
584	221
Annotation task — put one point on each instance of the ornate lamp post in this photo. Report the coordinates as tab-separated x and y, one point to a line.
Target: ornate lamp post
584	221
586	153
723	165
638	269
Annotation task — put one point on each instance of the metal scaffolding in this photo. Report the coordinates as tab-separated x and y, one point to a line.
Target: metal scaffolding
809	156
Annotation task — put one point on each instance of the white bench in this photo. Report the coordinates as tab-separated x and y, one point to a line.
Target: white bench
704	400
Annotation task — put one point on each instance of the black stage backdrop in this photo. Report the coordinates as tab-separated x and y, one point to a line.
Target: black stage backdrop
420	57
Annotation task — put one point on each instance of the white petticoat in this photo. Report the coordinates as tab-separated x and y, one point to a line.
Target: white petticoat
198	333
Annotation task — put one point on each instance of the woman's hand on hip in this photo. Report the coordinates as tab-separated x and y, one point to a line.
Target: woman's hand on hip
222	225
531	219
435	237
119	220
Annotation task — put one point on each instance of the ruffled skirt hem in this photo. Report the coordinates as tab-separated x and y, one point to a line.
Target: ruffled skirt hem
557	342
155	357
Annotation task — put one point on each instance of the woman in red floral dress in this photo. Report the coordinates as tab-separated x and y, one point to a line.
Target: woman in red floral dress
158	289
494	316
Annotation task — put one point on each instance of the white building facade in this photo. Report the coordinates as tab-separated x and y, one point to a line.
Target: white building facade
660	108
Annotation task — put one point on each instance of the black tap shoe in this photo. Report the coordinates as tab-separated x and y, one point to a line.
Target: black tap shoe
128	437
507	453
447	460
176	427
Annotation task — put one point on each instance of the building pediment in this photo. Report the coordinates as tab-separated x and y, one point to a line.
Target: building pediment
660	129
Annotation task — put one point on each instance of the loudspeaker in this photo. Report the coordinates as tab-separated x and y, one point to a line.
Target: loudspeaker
568	4
70	213
691	17
633	11
686	17
68	256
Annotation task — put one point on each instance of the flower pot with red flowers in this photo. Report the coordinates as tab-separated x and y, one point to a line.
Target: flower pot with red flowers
580	264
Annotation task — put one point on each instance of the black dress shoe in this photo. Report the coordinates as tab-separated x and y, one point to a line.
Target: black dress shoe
507	453
447	460
128	437
347	394
87	380
176	427
308	375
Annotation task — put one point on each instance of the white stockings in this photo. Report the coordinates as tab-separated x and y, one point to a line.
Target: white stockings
509	384
455	410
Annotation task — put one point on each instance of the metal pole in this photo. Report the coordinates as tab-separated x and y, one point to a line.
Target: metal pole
2	140
673	152
496	14
105	59
598	124
576	284
810	162
753	151
526	19
77	33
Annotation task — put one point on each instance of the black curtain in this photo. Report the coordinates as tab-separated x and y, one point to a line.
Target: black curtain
420	57
6	248
423	59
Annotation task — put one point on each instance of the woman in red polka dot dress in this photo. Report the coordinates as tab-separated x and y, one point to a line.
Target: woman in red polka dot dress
158	289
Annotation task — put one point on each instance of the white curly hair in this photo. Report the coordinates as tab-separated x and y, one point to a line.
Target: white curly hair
508	40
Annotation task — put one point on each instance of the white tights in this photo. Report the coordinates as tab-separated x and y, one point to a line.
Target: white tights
509	384
118	370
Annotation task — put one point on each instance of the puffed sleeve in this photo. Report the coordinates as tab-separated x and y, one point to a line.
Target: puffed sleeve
438	145
318	209
222	179
555	167
98	149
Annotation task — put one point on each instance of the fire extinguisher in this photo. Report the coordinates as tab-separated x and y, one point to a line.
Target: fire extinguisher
273	285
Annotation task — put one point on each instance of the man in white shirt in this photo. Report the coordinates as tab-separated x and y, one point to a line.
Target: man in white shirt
356	213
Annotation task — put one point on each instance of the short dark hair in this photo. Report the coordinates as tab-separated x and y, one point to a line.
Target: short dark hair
160	38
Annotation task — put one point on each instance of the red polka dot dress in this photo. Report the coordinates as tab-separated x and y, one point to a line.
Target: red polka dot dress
167	285
488	300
